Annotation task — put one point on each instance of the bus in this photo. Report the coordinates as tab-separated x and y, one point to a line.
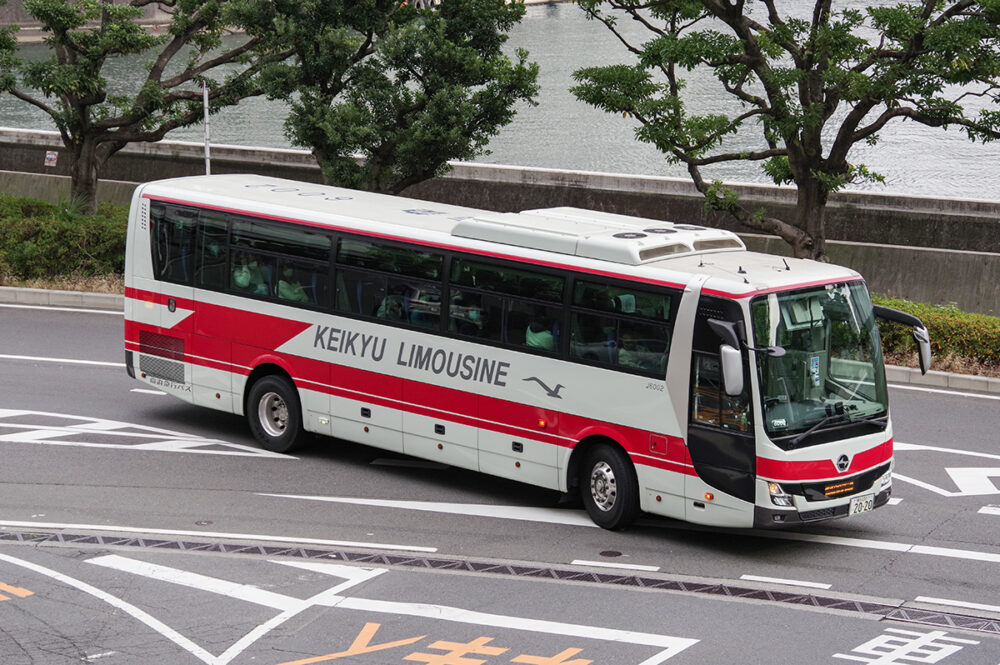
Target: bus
649	366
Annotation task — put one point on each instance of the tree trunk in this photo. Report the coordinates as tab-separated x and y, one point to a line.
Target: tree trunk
84	174
810	218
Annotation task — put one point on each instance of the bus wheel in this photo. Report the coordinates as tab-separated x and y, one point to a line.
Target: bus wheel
274	414
609	487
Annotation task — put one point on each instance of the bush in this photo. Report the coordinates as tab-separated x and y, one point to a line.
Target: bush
44	240
953	332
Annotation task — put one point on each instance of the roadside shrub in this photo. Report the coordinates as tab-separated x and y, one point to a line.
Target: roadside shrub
44	240
953	332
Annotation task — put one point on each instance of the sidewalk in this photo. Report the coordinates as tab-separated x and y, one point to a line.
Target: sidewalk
110	301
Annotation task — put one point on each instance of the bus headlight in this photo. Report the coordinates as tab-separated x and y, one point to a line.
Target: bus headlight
886	481
778	496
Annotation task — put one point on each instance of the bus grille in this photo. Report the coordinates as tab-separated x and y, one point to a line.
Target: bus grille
838	488
165	346
161	368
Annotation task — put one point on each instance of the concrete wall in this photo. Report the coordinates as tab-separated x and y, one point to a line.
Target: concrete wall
921	248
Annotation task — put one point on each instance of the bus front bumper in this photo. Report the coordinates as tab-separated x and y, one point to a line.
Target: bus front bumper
770	518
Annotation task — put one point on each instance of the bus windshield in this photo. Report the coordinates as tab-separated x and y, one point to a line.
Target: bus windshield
831	374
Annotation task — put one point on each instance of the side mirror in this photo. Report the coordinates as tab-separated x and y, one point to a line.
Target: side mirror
732	370
920	334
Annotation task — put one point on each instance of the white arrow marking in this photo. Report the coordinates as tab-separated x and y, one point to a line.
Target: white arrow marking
970	482
974	481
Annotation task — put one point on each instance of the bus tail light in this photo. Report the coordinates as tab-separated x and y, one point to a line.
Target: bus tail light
778	496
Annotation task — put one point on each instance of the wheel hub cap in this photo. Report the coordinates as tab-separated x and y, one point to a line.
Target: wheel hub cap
603	487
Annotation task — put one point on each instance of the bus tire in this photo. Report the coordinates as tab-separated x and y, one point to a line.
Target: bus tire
275	414
608	487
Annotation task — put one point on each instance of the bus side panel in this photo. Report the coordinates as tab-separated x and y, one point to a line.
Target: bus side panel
515	451
431	431
364	406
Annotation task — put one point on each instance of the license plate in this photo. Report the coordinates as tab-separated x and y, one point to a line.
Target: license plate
862	504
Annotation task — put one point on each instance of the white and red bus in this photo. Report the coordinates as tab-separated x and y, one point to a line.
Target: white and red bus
647	365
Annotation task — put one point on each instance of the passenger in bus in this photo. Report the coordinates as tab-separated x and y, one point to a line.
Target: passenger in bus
467	314
539	336
391	308
633	354
289	288
249	276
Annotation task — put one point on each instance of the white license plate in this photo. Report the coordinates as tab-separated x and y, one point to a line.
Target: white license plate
862	504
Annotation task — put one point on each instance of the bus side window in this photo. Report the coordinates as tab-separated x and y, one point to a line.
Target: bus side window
213	249
173	238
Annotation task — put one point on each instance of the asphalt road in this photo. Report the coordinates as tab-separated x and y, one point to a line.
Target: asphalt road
136	528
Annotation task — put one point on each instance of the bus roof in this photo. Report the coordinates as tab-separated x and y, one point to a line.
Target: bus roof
653	250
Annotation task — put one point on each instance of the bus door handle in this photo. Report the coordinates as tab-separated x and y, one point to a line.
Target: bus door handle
517	446
439	429
366	412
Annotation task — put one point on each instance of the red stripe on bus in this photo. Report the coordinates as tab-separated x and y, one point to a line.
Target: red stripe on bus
786	470
458	406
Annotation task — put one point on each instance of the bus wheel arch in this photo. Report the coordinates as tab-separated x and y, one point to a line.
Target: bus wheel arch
273	408
603	473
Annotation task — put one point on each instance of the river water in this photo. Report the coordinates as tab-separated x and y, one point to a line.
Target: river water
563	133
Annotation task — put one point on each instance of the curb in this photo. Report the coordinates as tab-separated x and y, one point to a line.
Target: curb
115	302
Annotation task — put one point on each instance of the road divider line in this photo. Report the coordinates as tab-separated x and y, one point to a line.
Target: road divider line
778	580
523	513
609	564
64	361
215	534
957	603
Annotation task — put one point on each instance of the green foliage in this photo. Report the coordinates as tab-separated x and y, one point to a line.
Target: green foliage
41	240
811	82
406	89
94	113
971	336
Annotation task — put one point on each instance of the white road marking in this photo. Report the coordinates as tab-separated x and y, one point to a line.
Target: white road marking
288	605
147	392
609	564
134	437
671	645
526	514
76	310
578	518
331	598
943	392
245	592
895	501
133	611
899	445
64	361
778	580
958	603
215	534
989	510
970	482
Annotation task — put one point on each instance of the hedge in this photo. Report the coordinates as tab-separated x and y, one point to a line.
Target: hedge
952	331
39	240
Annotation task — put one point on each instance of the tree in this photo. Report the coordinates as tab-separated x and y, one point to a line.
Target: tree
816	84
96	117
404	88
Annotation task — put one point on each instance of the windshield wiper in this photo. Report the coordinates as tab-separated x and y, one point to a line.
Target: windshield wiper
840	414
